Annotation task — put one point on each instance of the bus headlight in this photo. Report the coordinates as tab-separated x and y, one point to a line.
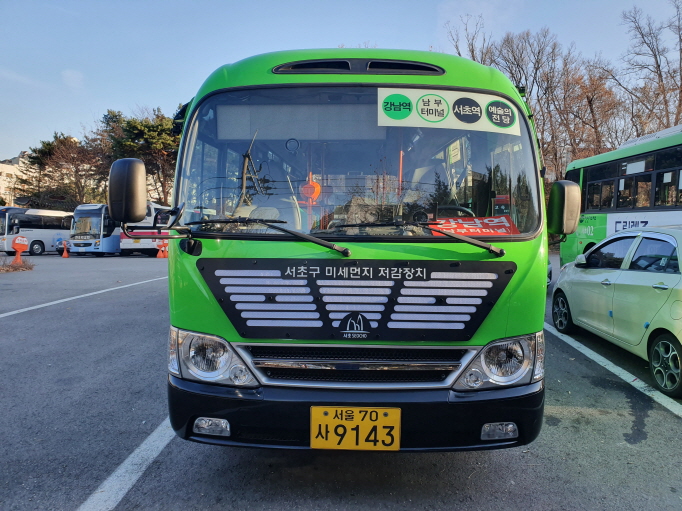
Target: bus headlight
207	358
507	362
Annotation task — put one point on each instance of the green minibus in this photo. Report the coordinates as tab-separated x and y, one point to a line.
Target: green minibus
358	254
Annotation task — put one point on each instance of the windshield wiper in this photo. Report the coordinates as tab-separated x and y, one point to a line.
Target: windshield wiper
249	170
273	225
499	252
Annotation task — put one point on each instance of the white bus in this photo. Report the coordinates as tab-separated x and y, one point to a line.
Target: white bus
146	246
43	228
93	231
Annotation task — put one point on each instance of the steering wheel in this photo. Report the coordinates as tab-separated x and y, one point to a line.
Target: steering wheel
462	209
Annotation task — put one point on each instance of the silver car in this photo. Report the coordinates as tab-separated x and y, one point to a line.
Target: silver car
627	289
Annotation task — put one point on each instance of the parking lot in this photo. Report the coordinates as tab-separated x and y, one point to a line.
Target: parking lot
84	345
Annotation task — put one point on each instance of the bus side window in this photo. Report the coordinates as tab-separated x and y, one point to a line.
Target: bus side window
625	199
52	222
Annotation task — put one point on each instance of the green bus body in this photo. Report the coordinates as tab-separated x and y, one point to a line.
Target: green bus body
653	204
271	414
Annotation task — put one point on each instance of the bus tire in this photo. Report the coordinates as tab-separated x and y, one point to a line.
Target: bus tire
665	354
561	314
36	248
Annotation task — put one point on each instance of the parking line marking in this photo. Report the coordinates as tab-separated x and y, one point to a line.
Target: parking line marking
118	484
644	388
4	315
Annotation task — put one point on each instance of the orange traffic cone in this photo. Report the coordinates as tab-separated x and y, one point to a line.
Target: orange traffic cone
165	249
159	254
65	253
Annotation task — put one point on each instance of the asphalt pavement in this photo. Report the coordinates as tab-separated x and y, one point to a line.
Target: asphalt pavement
84	387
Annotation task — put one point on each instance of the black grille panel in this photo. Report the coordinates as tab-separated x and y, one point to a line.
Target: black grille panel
365	354
357	376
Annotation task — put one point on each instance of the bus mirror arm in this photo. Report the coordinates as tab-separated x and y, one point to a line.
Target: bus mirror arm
560	240
129	229
175	214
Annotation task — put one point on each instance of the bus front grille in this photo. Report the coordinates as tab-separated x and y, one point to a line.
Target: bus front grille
356	367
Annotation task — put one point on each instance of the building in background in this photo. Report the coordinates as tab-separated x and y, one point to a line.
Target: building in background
10	171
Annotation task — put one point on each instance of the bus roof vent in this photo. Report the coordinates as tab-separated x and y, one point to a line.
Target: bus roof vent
400	67
314	67
652	136
358	66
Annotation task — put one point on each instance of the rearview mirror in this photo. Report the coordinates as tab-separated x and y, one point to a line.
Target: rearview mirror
580	261
563	210
128	190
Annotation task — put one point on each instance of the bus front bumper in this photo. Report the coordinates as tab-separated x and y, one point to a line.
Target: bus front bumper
431	420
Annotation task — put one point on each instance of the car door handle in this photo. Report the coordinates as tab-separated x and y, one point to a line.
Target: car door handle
660	286
605	282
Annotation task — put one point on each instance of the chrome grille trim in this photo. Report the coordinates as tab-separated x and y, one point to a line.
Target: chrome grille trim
352	365
357	367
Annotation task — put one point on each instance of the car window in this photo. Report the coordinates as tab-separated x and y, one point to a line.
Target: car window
656	256
610	254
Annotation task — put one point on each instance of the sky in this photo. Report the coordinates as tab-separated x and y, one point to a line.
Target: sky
64	63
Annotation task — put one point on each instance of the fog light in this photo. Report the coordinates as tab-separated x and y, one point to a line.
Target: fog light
209	426
473	378
499	431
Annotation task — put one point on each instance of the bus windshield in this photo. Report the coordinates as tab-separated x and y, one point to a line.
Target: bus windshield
348	161
87	224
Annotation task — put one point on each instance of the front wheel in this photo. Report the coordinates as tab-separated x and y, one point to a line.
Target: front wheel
561	314
664	364
36	248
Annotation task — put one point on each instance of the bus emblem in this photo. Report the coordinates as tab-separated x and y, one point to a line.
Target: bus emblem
356	326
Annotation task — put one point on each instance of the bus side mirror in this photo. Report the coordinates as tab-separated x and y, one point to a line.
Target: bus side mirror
563	210
15	229
128	190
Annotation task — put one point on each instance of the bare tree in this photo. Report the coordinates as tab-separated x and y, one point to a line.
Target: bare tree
476	44
651	70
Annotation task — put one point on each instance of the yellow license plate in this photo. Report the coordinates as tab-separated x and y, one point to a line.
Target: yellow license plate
136	241
355	428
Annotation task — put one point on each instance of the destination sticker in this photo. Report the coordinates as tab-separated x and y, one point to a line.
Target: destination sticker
397	106
419	108
501	225
500	114
467	110
432	108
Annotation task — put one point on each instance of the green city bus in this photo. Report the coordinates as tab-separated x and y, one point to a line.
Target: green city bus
358	254
637	185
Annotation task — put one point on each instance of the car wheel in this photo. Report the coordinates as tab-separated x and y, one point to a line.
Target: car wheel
36	248
561	314
664	363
